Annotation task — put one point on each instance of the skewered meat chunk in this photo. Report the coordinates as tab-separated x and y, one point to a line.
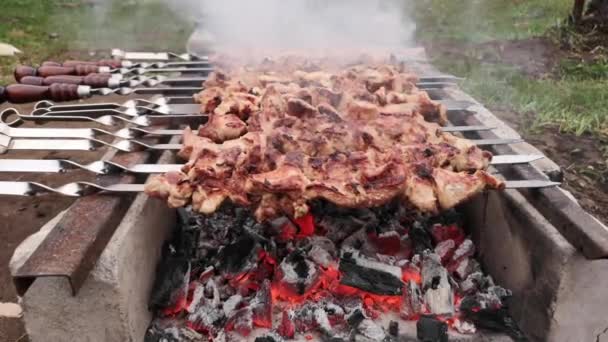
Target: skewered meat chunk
357	138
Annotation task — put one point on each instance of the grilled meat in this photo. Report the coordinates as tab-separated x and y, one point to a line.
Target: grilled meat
357	138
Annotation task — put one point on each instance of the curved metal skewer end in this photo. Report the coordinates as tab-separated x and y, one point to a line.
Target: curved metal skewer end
7	113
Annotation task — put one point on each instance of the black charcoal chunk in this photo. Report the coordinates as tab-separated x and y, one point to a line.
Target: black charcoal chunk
430	329
239	256
355	318
393	328
170	330
269	337
171	283
369	275
490	318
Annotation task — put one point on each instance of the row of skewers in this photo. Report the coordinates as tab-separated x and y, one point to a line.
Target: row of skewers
71	80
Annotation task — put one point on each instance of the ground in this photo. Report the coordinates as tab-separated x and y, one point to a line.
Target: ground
520	58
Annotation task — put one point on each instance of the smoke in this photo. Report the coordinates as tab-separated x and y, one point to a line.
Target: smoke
298	24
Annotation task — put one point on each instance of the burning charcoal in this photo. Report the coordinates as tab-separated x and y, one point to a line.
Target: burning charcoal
369	331
475	281
170	286
466	249
393	328
323	251
287	329
204	312
445	250
198	296
296	273
171	331
450	232
269	337
412	304
430	329
495	319
438	294
322	321
420	238
355	317
261	305
464	327
206	318
238	257
388	243
241	321
339	223
231	304
465	267
369	275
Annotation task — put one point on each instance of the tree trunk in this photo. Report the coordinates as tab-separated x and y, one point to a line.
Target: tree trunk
577	11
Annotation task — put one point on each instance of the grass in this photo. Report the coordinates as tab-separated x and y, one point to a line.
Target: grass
574	95
479	21
46	30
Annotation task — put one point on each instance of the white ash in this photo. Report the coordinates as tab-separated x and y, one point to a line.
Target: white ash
334	309
386	259
290	275
367	263
464	327
211	288
444	247
466	248
321	256
322	320
416	260
389	234
465	267
197	297
370	331
231	303
438	294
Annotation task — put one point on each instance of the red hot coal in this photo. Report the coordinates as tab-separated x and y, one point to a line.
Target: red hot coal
332	275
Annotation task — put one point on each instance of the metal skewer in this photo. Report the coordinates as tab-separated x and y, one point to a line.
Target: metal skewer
102	167
164	105
134	132
91	144
78	189
107	120
155	56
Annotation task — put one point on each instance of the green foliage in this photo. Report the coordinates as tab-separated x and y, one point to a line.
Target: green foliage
478	21
574	98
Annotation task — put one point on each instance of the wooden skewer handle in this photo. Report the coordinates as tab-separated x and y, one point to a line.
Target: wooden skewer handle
45	71
92	80
23	93
111	63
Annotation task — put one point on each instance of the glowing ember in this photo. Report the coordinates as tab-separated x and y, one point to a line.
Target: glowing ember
308	283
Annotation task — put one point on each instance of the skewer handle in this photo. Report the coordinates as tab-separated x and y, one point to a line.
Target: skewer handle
23	93
104	62
92	80
45	71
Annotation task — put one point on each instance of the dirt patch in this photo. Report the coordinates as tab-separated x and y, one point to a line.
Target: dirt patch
581	158
536	57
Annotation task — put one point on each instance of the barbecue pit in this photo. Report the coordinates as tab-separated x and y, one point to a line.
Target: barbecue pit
537	243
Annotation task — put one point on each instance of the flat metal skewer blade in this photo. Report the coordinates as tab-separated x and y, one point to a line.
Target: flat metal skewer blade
78	189
515	159
453	129
530	184
108	167
486	142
